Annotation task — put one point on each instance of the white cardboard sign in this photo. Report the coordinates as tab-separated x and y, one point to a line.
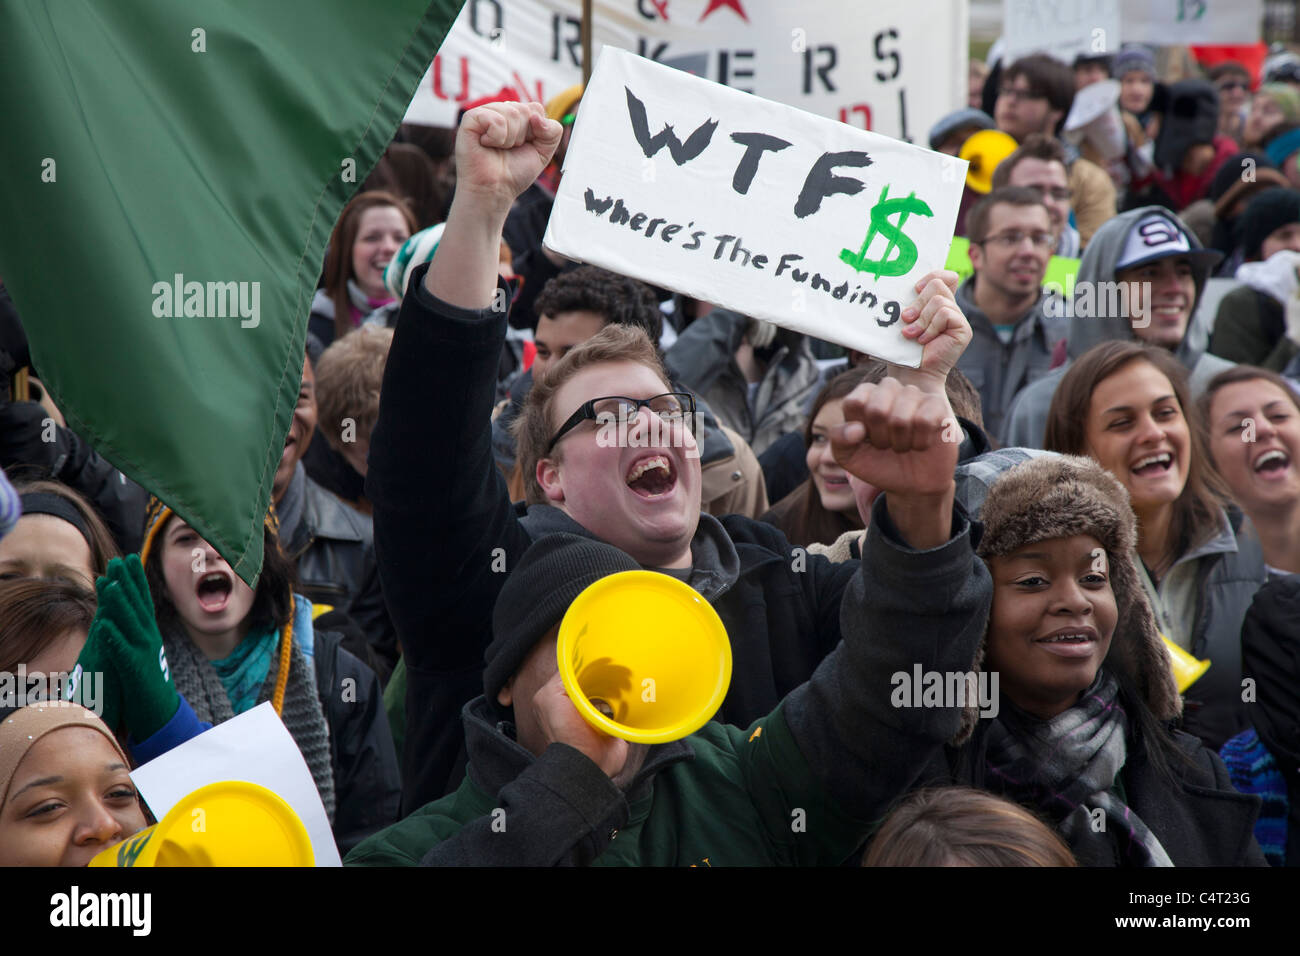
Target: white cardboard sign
253	746
1181	22
1061	28
753	205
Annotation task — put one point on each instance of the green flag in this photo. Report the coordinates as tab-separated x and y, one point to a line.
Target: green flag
170	174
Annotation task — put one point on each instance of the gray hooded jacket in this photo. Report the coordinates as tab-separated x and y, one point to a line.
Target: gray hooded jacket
1026	422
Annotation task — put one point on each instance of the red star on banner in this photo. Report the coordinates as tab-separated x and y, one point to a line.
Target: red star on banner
719	4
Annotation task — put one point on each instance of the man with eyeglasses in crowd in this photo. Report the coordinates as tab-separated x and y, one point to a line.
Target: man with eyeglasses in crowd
1011	240
1035	96
447	533
1232	80
1039	164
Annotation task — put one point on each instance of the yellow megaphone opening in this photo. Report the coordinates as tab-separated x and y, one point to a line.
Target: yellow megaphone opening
644	657
984	151
230	823
1187	669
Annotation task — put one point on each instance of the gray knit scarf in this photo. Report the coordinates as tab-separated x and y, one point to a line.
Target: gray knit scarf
197	680
1066	768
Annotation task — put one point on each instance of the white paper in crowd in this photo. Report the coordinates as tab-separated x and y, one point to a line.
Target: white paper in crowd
752	205
895	68
1062	30
255	747
1181	22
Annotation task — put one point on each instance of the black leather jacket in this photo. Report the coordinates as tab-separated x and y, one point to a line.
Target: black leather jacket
334	549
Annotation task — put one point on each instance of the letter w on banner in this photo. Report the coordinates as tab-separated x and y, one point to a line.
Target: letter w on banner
753	206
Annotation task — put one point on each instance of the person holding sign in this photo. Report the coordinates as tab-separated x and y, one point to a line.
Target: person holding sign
643	499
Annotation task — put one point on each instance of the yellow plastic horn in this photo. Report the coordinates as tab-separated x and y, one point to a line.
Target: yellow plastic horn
231	823
1187	669
644	657
984	150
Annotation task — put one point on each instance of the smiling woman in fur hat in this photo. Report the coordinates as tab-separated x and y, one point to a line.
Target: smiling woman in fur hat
1082	734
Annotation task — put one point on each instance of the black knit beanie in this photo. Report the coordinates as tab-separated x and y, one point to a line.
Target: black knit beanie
554	571
1267	212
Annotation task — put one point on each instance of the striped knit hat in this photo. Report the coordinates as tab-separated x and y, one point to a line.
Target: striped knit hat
415	251
561	104
157	514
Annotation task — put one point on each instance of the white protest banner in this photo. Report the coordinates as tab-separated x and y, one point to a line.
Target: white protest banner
893	68
1180	22
1060	28
254	746
753	205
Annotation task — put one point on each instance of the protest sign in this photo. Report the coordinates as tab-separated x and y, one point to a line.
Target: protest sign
1060	28
893	68
753	205
1180	22
252	746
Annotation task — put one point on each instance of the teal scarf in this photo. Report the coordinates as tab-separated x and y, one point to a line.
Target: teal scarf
243	673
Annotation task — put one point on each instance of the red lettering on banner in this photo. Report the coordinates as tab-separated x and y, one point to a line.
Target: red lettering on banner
463	95
863	108
525	94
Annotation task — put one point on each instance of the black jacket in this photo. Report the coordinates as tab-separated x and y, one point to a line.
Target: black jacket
333	548
367	781
524	228
446	535
70	459
834	752
1199	818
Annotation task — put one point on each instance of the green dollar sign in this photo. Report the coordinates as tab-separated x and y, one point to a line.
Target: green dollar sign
886	266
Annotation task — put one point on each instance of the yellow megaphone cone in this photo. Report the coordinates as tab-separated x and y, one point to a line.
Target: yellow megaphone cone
231	823
644	657
984	150
1187	669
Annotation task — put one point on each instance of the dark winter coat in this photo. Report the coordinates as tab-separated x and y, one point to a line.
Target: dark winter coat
333	548
801	786
1250	328
446	535
1198	817
367	779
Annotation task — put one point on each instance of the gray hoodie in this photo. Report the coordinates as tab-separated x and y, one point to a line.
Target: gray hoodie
1026	422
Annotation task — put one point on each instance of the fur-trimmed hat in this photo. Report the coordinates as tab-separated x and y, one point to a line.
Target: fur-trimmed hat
1059	496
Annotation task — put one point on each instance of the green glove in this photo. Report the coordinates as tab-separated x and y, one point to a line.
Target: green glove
126	625
101	693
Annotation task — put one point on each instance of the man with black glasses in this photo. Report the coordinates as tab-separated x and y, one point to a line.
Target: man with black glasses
1011	241
447	534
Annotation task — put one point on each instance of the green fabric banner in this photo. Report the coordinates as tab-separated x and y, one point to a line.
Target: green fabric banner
170	174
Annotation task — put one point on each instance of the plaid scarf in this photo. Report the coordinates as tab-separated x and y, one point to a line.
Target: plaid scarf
1066	768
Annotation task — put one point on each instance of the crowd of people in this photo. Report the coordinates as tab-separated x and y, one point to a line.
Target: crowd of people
1072	484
